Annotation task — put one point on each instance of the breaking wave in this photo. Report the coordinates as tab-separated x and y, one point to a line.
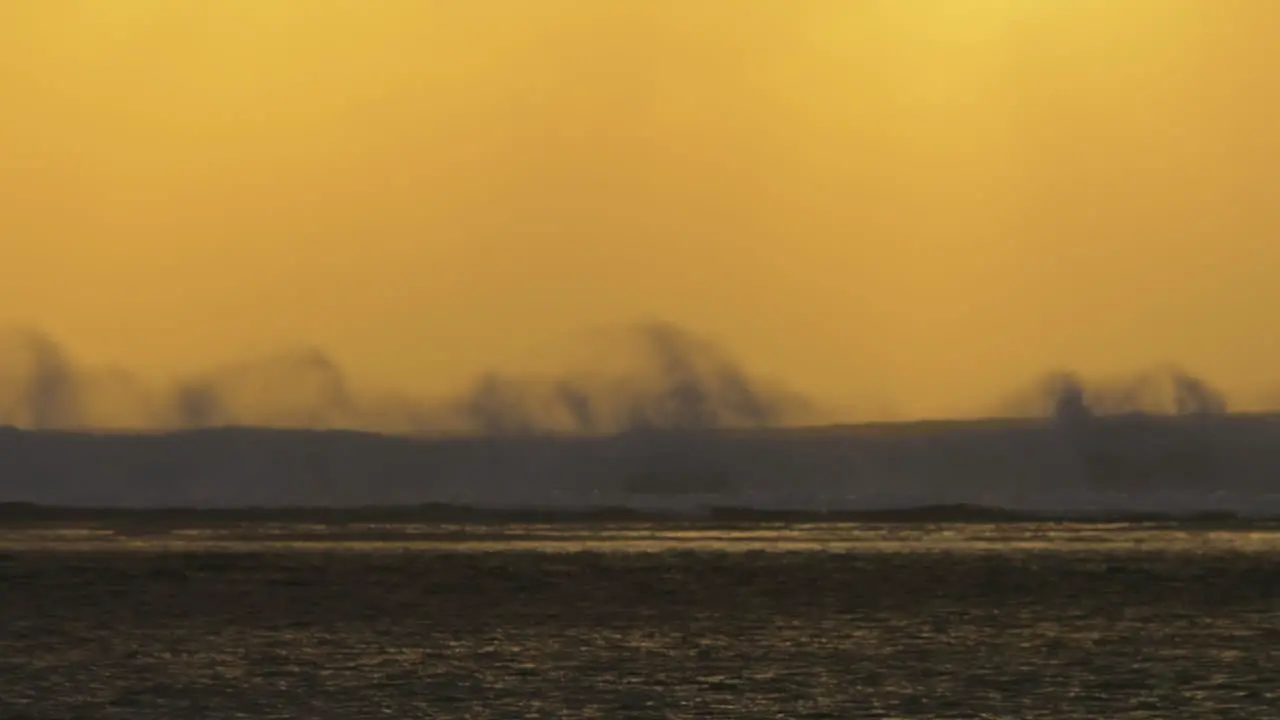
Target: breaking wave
663	377
656	418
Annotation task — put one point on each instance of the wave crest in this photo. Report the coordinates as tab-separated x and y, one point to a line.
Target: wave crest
639	377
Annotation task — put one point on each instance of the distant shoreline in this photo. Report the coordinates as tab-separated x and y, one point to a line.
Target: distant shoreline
870	428
1124	468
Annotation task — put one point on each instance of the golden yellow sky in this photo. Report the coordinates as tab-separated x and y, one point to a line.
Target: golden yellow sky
924	201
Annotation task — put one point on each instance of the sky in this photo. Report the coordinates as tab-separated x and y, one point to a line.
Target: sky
916	205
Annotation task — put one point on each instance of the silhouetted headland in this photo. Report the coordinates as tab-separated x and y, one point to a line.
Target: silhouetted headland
992	469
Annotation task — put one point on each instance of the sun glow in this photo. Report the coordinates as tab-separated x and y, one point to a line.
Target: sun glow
926	199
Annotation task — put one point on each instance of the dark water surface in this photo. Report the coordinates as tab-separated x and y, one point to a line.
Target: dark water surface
830	621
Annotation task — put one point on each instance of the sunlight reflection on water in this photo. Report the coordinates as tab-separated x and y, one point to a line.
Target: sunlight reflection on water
1028	621
623	538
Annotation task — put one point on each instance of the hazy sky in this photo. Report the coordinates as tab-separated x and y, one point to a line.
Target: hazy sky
929	201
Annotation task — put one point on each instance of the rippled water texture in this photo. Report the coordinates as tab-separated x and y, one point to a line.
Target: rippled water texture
665	621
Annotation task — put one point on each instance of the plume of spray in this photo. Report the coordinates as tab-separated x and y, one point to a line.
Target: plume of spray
303	389
38	386
1162	390
1133	452
643	377
663	377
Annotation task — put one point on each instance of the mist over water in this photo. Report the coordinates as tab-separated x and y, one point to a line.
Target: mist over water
1100	443
643	376
1162	390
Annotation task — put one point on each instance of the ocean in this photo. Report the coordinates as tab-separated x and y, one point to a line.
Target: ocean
653	619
